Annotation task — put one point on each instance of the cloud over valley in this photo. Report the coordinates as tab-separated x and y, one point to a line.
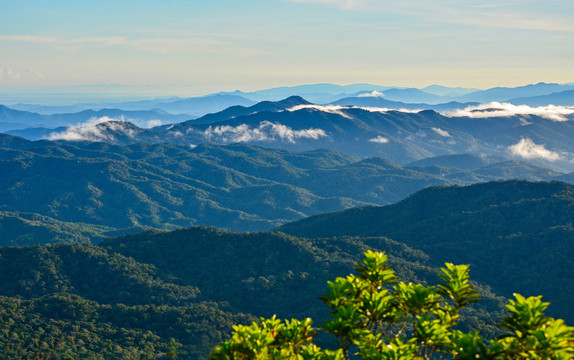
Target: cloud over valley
496	109
266	131
101	129
529	150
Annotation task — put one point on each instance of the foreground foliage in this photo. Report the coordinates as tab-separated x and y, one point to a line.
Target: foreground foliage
376	317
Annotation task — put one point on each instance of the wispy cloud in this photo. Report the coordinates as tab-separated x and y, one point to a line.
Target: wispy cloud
379	139
332	109
37	73
509	19
163	45
99	41
384	110
338	109
150	123
75	44
496	109
101	129
168	45
29	38
527	149
486	13
374	93
89	131
343	4
11	74
490	14
266	131
441	132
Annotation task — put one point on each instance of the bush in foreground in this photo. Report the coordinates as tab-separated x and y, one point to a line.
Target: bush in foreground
375	317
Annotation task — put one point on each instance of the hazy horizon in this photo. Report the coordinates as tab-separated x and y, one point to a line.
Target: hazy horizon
149	49
95	94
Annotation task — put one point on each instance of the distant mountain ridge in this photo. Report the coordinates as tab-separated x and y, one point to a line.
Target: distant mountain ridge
192	106
433	94
315	93
502	94
11	119
402	137
383	102
238	110
564	98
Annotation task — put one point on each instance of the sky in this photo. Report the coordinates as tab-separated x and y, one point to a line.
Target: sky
189	48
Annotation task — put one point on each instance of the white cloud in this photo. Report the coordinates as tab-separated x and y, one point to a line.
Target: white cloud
379	139
486	13
374	93
1	73
266	131
503	18
176	134
37	73
527	149
162	45
384	110
333	109
441	132
28	38
92	130
343	4
11	74
98	41
169	45
88	131
496	109
337	109
150	123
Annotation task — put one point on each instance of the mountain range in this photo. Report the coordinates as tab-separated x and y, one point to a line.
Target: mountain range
563	98
533	94
433	94
69	191
540	136
18	121
192	106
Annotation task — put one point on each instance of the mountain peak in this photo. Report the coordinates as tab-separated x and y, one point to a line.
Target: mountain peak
293	101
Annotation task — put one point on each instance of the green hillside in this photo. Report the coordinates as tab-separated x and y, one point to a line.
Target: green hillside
503	229
30	229
109	189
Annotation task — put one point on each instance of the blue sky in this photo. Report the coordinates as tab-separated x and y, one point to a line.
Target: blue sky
195	47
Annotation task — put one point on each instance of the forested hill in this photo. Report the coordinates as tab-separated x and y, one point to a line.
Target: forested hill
505	230
61	191
144	295
435	203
